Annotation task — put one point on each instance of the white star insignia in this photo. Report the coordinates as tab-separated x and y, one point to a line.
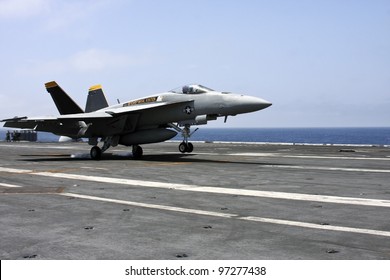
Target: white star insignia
188	110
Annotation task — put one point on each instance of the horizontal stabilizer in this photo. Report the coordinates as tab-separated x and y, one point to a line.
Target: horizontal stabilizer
14	119
96	99
63	101
19	124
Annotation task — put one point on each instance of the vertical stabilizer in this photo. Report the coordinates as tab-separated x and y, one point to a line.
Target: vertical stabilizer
96	99
63	101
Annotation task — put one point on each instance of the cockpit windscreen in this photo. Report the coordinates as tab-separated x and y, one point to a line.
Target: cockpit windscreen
192	89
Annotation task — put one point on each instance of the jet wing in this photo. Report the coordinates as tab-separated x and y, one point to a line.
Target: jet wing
25	122
105	122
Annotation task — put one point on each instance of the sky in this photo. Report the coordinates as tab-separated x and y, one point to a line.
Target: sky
321	63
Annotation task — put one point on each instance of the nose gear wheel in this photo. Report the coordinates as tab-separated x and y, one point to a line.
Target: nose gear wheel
186	147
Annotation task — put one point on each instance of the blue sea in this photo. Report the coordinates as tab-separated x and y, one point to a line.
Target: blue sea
352	136
361	136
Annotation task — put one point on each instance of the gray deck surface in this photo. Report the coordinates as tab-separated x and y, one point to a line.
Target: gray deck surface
223	201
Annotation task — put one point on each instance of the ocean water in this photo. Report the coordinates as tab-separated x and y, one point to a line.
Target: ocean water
358	136
362	136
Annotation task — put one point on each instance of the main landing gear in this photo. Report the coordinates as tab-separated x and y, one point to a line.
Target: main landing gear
137	152
96	152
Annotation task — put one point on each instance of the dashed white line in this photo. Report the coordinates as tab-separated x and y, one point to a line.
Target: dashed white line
316	226
40	147
9	185
305	156
208	189
324	168
147	205
231	216
209	213
94	168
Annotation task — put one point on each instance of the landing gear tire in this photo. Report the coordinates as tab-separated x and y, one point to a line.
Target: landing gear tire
186	147
137	152
190	147
96	153
183	147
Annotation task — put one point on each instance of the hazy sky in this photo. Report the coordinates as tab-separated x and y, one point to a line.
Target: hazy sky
321	63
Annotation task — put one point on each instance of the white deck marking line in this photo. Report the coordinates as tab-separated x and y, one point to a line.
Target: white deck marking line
231	216
315	167
10	185
329	168
316	226
94	168
41	147
303	156
147	205
207	189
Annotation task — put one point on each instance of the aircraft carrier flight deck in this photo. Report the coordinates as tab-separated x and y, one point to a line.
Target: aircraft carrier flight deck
223	201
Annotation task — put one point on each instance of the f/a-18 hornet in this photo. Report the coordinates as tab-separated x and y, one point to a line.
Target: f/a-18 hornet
150	119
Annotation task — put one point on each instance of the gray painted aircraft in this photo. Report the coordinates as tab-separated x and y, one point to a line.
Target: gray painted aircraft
150	119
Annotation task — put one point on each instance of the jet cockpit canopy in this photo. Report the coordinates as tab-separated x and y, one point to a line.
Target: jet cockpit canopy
192	89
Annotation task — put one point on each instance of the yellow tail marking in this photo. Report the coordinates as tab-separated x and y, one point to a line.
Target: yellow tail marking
95	87
51	84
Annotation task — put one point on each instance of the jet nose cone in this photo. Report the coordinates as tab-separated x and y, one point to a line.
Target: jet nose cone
264	103
256	103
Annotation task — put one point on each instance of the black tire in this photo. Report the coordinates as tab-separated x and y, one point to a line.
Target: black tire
190	147
137	152
183	147
96	153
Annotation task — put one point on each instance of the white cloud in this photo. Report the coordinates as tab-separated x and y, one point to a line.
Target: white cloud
22	8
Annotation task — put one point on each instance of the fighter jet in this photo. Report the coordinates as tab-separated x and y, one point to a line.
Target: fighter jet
150	119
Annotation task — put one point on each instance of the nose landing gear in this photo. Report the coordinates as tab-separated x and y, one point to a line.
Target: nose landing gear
185	146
